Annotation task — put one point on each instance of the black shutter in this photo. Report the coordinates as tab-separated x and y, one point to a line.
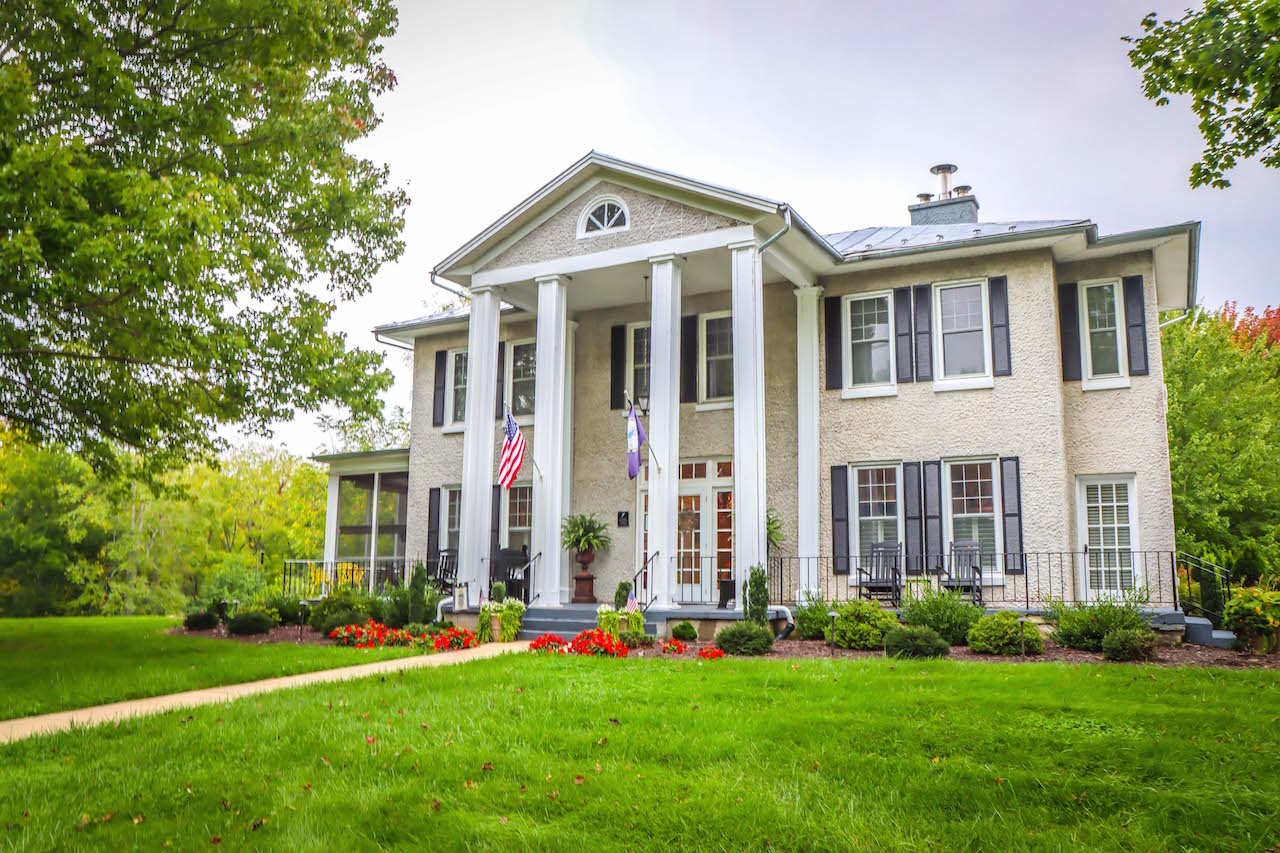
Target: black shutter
1135	321
495	526
831	330
934	556
441	383
902	332
688	359
617	367
502	373
840	519
924	332
913	535
998	297
1011	498
433	525
1069	331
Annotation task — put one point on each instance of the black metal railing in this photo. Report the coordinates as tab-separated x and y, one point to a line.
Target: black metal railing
1203	588
1028	581
318	578
642	582
704	580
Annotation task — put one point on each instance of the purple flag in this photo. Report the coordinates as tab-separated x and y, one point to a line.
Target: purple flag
635	440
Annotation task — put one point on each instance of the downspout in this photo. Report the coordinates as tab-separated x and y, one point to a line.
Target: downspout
447	289
791	622
1184	315
785	210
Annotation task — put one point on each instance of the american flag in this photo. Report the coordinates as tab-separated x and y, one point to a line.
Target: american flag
512	453
632	604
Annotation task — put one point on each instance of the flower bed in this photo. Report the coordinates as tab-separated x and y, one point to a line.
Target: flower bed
595	642
710	653
549	644
674	647
455	638
373	635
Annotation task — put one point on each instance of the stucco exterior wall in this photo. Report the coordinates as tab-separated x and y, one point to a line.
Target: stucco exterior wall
651	218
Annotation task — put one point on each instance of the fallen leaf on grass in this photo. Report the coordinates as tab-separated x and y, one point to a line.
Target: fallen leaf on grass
435	805
578	780
488	766
139	819
469	784
106	817
325	760
217	839
614	720
502	820
597	768
999	780
554	795
370	739
257	824
602	741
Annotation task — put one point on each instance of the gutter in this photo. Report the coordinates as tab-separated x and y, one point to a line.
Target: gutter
994	239
448	288
379	339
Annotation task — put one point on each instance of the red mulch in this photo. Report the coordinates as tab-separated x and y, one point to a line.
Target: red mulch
297	635
1184	655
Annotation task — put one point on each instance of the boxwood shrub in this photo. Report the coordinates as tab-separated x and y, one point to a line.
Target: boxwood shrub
915	641
200	620
252	620
1083	626
745	639
1001	634
811	617
1129	644
684	631
945	612
636	639
861	625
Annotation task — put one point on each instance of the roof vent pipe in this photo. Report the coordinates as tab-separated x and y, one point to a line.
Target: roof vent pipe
963	190
924	197
944	171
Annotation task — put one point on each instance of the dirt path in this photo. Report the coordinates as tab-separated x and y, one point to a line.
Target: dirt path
23	727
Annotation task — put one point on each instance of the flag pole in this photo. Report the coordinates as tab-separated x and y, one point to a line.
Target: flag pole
649	443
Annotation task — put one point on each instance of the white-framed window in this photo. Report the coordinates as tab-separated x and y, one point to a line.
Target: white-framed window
972	490
450	517
521	372
456	371
715	379
638	359
1107	519
962	336
603	215
518	525
867	332
1105	362
878	510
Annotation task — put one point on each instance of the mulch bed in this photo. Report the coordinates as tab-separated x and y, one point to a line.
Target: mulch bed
297	635
1183	655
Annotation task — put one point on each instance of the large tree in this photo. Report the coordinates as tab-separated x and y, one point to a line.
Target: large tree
1226	57
180	212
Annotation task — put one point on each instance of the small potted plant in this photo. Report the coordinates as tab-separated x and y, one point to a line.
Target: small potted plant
584	534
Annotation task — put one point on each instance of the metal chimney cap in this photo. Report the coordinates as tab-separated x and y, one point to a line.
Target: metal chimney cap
963	189
943	169
924	197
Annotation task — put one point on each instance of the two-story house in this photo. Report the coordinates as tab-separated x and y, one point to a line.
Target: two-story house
949	401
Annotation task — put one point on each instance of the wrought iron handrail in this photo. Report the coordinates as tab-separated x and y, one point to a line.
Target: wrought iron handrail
1215	607
637	586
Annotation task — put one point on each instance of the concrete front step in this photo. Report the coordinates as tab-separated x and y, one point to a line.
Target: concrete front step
566	621
1200	632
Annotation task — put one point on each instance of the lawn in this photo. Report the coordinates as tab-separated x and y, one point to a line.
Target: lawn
553	753
57	664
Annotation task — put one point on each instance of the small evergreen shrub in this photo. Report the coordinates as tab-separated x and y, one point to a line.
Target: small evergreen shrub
287	606
253	619
915	641
1002	634
620	595
947	613
861	625
347	599
745	639
342	620
757	609
396	607
685	632
439	627
200	620
1129	644
418	595
1083	626
417	629
811	617
499	591
636	639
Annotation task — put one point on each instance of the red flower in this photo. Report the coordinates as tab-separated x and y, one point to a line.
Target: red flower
674	647
596	642
548	643
710	653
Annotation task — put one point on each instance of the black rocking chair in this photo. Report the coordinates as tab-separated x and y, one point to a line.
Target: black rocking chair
444	574
881	578
511	567
963	573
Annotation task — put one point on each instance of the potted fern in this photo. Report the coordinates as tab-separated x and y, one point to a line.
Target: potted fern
584	534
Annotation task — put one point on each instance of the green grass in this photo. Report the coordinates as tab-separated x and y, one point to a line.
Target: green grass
56	664
859	754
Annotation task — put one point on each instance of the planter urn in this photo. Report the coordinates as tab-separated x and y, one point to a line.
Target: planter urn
584	581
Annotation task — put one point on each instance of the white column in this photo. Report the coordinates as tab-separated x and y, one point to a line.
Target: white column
549	447
749	502
477	444
331	519
373	529
664	423
808	476
571	335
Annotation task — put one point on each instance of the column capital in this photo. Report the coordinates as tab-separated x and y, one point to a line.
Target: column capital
668	257
554	278
478	289
753	243
805	292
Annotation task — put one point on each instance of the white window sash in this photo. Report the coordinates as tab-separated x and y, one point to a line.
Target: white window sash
855	520
509	378
451	382
992	568
942	382
703	362
870	389
1088	381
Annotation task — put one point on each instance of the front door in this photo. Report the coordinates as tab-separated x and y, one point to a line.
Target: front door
703	565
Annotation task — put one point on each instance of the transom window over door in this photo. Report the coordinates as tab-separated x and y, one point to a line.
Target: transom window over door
876	493
1109	531
973	506
962	329
602	216
869	332
717	347
1102	330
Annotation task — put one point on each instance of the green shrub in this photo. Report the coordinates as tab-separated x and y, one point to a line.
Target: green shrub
811	617
636	639
1083	626
287	606
511	619
418	583
1253	613
347	599
745	639
915	641
757	596
200	620
620	595
484	627
341	620
396	607
608	620
861	625
635	621
947	613
439	627
1002	634
254	619
1129	644
417	629
684	632
498	591
238	577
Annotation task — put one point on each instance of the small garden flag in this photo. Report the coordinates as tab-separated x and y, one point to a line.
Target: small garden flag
635	440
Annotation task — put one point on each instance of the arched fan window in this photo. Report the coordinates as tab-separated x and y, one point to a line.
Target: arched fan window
603	215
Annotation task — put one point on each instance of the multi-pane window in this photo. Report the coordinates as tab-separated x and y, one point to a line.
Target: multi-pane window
870	336
458	375
640	362
523	371
877	497
1109	534
717	337
724	534
1102	323
452	518
973	506
608	215
520	517
962	329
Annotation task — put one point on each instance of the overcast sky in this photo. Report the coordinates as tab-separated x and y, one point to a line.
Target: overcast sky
836	108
